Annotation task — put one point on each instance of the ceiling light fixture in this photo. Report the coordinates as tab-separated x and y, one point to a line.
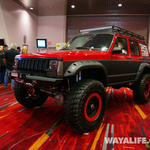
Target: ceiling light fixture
120	5
72	6
31	8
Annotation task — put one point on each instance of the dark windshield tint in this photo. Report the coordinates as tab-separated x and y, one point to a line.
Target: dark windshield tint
95	41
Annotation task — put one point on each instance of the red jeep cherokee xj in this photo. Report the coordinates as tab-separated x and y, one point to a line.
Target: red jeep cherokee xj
77	75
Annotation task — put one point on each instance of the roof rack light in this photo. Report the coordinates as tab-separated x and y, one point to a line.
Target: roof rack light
95	29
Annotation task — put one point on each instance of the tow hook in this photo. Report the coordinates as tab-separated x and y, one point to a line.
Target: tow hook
34	83
23	84
30	86
33	92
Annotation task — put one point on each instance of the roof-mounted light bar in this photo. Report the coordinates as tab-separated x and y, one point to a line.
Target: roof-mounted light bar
95	29
112	29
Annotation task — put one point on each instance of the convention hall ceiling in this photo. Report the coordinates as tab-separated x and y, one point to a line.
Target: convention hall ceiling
86	7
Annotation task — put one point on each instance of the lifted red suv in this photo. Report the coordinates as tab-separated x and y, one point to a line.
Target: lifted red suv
77	75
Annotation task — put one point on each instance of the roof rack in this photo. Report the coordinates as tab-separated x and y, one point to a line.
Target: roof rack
113	29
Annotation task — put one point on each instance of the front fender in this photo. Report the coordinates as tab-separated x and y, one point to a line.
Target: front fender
75	67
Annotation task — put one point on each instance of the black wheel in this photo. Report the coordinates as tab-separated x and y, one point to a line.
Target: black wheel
24	97
141	90
85	105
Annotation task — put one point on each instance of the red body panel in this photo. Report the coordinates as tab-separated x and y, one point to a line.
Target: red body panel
71	55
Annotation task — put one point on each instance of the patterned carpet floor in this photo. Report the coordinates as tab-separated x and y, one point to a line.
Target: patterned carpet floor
45	128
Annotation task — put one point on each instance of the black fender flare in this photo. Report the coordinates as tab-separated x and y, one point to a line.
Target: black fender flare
77	66
141	69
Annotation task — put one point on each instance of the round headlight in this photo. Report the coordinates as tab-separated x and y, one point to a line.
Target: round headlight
53	64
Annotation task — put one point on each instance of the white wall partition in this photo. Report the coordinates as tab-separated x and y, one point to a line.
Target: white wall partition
16	22
53	28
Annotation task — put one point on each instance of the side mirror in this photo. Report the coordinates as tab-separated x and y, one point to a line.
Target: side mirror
117	50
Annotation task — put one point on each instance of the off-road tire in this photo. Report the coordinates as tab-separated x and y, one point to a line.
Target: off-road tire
21	94
141	90
85	105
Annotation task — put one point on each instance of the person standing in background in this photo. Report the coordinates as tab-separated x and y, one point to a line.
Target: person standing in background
2	65
5	48
19	50
9	62
24	50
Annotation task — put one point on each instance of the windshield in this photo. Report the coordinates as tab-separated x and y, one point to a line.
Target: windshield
100	42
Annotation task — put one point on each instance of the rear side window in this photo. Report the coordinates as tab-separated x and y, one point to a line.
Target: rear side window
144	50
134	48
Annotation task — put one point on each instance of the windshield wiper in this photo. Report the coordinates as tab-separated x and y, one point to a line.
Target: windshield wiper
83	48
65	49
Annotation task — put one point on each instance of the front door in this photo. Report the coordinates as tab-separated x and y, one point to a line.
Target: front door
119	67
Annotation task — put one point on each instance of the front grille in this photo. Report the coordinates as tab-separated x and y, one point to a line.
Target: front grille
32	65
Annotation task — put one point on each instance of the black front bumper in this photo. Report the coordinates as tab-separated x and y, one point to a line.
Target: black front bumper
40	79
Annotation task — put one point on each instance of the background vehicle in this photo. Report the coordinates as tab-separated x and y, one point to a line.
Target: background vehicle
77	75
